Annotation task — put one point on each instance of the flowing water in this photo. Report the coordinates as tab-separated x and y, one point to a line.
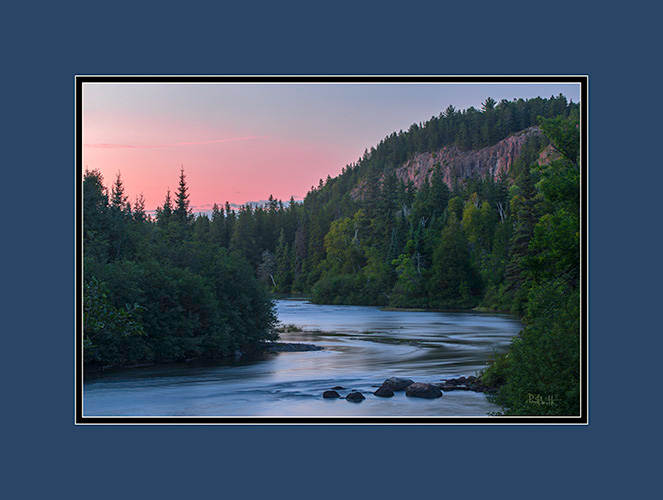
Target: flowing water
362	347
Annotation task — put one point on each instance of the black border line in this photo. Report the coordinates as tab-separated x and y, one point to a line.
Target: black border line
385	420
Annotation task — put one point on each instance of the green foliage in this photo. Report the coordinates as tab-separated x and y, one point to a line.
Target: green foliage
343	245
188	296
496	373
563	134
283	261
544	358
542	373
453	281
338	289
111	334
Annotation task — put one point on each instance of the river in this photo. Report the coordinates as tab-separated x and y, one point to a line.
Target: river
362	347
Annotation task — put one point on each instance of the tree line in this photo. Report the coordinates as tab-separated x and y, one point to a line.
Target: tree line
155	291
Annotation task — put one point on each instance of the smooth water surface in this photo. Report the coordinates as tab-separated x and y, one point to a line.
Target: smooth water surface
362	347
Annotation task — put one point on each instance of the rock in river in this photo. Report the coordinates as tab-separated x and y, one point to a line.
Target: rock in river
355	397
397	384
330	394
384	392
421	390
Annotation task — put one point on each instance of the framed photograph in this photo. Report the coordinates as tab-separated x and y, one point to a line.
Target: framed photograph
331	250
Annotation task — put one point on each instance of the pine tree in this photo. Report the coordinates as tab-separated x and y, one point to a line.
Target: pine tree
488	104
120	211
166	211
300	245
283	275
183	211
523	209
439	193
453	282
95	216
218	229
139	214
118	200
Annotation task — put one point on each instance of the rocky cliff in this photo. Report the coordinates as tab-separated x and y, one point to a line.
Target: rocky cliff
457	164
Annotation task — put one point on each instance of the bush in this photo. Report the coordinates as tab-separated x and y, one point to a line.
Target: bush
185	314
542	371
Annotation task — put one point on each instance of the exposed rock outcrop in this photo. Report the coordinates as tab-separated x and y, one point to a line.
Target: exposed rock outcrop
456	164
460	165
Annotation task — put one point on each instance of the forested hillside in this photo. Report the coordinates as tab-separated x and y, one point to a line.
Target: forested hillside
371	236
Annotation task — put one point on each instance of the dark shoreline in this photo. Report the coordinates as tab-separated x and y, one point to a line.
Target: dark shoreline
472	310
477	309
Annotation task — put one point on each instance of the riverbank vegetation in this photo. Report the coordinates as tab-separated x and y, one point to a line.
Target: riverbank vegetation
154	291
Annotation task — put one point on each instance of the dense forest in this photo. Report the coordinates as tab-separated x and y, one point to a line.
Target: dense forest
154	290
178	285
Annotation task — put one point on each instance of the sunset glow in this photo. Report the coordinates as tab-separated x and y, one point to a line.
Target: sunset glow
242	142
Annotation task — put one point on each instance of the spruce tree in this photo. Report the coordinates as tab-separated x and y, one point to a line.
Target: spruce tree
283	265
183	211
117	199
164	213
139	214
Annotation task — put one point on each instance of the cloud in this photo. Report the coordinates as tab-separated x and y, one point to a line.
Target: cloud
176	144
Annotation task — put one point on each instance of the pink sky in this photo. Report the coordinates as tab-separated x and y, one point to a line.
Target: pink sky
243	142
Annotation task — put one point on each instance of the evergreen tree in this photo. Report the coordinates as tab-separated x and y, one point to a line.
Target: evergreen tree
95	216
439	193
182	212
453	281
165	212
120	212
139	214
283	276
524	213
118	200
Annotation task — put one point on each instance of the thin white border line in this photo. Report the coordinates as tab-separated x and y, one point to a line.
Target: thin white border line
488	419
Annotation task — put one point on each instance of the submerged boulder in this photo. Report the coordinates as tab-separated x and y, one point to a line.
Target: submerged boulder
330	394
421	390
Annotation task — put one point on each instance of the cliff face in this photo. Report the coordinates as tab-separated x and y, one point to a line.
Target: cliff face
461	165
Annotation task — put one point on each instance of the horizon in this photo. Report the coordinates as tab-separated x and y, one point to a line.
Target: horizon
243	142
